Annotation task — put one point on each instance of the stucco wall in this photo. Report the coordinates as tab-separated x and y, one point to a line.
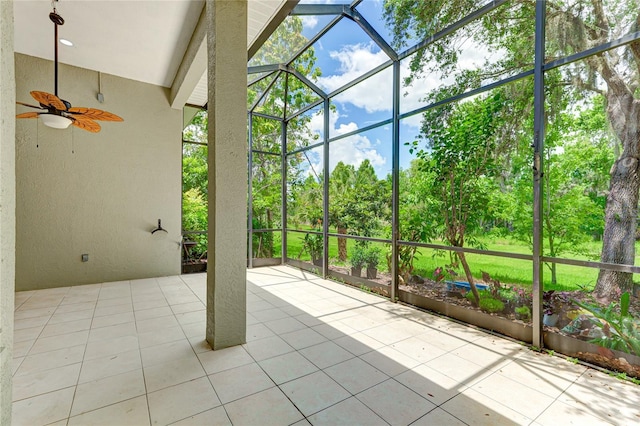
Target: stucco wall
7	207
101	194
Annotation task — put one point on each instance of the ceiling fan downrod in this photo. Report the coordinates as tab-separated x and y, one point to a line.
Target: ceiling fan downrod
57	20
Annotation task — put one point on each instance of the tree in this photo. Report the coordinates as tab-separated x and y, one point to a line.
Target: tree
266	168
195	182
463	142
572	26
370	203
570	216
194	218
417	213
341	187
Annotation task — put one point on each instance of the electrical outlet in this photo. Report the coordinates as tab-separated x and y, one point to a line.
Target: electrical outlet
85	257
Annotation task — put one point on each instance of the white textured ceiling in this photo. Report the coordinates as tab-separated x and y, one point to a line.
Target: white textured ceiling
143	40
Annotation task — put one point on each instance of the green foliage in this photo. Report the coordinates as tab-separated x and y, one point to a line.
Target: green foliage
621	330
575	183
523	313
470	297
623	376
313	246
554	302
491	305
266	169
507	295
196	130
195	168
573	360
372	257
195	184
358	201
357	257
460	158
462	144
194	218
575	197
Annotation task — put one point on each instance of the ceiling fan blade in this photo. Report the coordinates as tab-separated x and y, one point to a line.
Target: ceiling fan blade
49	100
28	115
95	114
29	105
85	123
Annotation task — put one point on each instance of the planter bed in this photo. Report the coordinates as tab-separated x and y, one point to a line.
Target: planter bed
271	261
512	328
592	353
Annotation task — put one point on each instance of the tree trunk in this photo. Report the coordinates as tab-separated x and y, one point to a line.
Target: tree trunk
342	244
621	211
552	250
618	243
269	248
467	273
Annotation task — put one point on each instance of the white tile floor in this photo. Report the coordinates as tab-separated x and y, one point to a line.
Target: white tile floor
317	352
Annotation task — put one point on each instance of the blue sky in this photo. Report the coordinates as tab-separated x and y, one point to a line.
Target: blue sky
345	53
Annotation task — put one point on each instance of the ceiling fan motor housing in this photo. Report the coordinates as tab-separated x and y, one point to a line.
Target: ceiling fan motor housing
56	19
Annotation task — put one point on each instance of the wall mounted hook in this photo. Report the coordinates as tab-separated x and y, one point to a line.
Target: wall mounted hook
159	228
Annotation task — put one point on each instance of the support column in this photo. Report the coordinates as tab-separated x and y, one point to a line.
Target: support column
7	205
538	168
227	109
395	184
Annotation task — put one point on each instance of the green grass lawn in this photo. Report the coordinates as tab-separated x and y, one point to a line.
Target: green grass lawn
506	270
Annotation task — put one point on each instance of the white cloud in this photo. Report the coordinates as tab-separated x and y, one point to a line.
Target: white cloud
309	22
354	150
375	93
473	56
350	150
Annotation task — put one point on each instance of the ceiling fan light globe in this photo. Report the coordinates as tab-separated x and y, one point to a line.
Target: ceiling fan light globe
55	121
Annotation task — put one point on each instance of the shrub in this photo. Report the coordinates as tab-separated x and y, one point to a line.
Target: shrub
523	312
357	257
372	257
491	305
621	330
481	293
507	295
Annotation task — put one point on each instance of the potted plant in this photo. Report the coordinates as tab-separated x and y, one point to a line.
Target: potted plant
549	308
357	260
555	304
372	258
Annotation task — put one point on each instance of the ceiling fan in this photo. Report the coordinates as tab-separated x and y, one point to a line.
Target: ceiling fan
58	113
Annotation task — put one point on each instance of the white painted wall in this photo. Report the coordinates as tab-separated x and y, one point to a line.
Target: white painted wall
7	207
101	194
